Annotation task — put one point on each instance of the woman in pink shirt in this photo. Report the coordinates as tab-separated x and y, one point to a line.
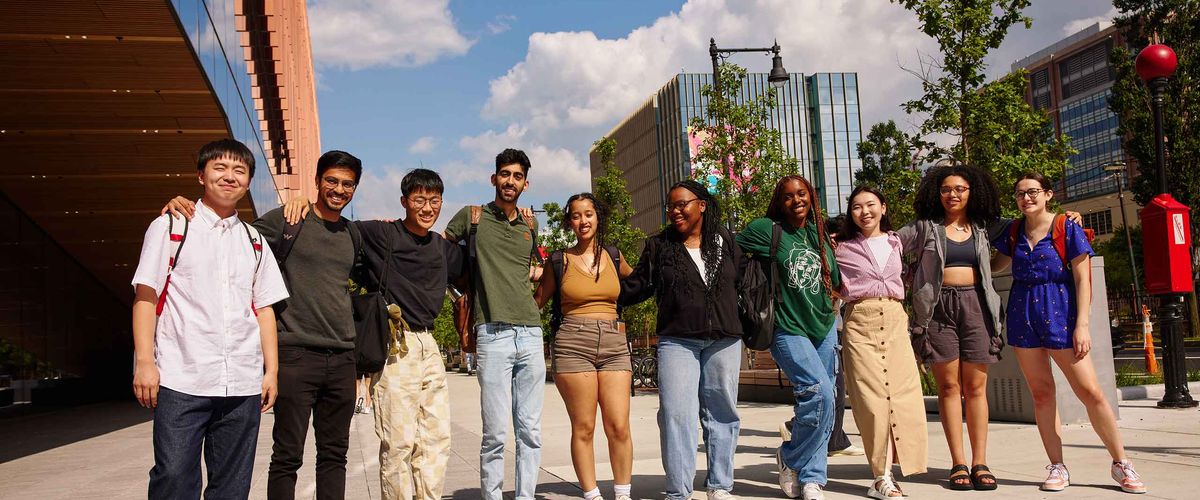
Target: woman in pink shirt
881	369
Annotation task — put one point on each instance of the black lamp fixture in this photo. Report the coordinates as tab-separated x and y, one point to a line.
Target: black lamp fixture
777	78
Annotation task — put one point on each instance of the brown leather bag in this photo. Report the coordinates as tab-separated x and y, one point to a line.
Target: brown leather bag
464	309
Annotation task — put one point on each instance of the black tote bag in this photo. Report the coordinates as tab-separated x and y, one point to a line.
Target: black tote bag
372	333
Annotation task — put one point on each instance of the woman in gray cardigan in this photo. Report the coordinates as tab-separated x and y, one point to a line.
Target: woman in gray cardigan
956	311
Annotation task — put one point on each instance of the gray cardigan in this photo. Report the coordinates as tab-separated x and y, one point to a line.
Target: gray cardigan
926	241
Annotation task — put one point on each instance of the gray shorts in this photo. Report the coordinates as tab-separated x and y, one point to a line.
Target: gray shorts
589	345
960	328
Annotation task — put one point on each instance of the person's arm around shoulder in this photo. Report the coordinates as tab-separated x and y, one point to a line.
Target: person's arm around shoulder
270	225
457	228
180	207
911	237
639	284
625	269
1079	253
1002	258
755	238
547	285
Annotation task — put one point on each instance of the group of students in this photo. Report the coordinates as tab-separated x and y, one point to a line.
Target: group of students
209	360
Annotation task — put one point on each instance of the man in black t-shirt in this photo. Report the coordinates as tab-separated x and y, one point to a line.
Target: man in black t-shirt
411	399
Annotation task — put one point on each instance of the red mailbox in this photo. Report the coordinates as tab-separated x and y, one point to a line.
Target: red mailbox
1166	246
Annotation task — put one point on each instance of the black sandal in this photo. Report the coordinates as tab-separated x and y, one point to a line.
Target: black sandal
956	481
978	480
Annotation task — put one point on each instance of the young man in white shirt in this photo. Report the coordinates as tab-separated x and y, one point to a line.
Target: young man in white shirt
204	334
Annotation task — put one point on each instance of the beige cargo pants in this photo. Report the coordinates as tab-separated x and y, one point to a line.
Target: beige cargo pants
412	420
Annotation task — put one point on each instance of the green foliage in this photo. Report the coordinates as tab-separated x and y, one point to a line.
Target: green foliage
887	156
995	128
555	236
1116	259
740	148
1174	22
444	331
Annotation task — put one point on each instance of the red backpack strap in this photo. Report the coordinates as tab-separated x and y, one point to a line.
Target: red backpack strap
1058	234
177	234
1014	228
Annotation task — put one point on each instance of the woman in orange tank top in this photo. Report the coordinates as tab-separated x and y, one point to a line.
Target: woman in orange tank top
591	360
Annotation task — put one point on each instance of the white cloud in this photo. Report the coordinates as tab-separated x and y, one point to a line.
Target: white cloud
500	24
423	145
1078	25
378	197
553	172
359	34
572	86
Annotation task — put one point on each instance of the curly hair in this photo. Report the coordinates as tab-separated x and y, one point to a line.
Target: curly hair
983	202
775	211
711	244
850	229
601	238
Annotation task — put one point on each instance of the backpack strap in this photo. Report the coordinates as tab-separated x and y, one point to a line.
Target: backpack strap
776	233
476	213
256	244
1058	233
287	240
534	254
1014	229
177	230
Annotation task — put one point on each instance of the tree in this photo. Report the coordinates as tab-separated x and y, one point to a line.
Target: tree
1115	251
994	127
741	153
888	157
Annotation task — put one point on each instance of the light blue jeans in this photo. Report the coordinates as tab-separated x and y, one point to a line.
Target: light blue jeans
698	379
512	377
812	370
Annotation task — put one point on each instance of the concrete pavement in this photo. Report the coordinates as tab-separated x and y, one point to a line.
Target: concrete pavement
103	451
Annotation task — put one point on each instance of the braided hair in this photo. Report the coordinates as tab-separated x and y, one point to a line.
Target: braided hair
601	238
711	245
776	212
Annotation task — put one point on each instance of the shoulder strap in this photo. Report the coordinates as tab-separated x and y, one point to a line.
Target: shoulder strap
558	264
776	233
534	254
356	241
1058	233
476	213
287	240
615	255
256	245
177	233
1014	229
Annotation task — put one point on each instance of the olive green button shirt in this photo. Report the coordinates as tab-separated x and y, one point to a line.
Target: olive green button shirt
502	290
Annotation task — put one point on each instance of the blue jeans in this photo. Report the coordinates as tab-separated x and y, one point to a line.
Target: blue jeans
227	430
812	370
510	360
698	379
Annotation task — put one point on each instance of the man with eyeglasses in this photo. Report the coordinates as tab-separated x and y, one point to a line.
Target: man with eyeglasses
316	328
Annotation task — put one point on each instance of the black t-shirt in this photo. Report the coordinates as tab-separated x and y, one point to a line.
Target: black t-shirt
421	267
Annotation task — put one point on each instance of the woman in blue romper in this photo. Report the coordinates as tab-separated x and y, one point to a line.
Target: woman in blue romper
1048	320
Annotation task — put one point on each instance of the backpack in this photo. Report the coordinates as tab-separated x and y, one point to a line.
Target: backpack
1058	234
178	235
756	296
463	303
559	265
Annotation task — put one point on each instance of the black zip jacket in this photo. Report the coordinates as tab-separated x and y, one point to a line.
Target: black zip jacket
683	307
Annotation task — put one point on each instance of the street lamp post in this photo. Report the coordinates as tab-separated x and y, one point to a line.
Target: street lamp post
777	77
1154	65
1117	168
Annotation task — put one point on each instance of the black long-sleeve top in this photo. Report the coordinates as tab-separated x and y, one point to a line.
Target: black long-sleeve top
684	309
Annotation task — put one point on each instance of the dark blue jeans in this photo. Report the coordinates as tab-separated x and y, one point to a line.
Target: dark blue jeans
227	430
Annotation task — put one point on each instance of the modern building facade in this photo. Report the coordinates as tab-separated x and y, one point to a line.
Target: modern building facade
103	106
1072	81
817	117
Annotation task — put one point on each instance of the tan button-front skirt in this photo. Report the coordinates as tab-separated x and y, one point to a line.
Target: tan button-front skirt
883	384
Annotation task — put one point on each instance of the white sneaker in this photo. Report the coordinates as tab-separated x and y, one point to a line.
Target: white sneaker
1123	474
1058	479
849	451
812	491
785	431
788	482
719	495
622	497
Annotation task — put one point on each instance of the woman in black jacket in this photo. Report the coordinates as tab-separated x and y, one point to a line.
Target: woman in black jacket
691	269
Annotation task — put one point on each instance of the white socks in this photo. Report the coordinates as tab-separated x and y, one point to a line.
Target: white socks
622	489
593	494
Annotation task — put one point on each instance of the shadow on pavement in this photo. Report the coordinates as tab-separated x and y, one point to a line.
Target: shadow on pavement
33	430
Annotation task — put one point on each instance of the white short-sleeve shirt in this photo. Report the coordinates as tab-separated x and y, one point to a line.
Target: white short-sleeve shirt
206	342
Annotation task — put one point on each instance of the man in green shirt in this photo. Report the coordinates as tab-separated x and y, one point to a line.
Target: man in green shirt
506	327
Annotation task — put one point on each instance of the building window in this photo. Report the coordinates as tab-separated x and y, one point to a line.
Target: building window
1100	222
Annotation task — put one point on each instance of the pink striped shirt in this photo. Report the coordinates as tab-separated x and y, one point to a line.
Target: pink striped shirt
862	276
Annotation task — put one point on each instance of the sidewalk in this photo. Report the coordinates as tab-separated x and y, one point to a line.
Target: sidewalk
1165	444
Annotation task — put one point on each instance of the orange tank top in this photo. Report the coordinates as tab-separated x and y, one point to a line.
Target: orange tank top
582	294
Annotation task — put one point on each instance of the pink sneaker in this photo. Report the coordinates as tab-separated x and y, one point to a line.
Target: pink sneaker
1058	479
1123	474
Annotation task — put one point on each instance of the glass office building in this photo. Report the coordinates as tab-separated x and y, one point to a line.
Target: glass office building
817	117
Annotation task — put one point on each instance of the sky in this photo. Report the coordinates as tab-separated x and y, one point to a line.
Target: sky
449	84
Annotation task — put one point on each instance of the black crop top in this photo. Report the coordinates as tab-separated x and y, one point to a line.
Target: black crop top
961	254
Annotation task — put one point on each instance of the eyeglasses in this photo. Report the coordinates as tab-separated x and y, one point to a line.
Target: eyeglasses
435	202
945	190
1031	193
680	205
331	182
